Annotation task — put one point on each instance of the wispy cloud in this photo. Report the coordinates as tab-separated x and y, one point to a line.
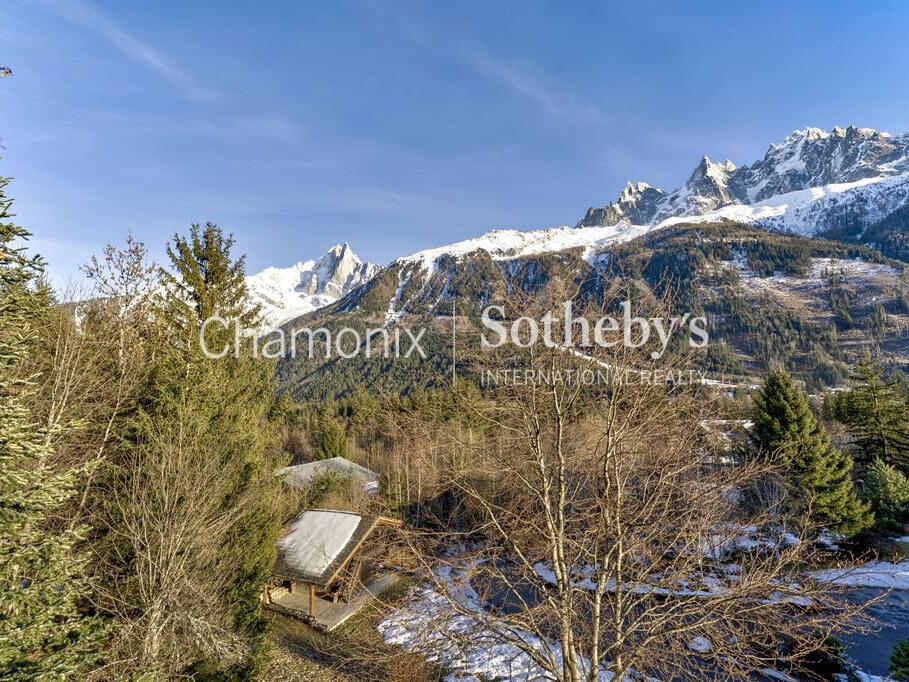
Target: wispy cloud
528	85
521	81
88	15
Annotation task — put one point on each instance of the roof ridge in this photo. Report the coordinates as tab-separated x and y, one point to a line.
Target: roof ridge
336	511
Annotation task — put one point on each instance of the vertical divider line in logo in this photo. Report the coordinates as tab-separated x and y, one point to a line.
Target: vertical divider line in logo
454	319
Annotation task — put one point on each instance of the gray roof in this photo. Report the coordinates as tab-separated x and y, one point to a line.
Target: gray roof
301	475
318	542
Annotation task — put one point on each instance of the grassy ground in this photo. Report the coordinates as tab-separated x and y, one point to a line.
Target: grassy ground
354	652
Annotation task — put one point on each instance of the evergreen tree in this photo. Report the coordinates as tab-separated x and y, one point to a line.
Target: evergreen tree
234	394
887	490
878	321
329	438
877	415
362	412
818	476
840	301
206	280
43	636
899	661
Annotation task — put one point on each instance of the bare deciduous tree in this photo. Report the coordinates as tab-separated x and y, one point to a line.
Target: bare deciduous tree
94	358
610	540
169	526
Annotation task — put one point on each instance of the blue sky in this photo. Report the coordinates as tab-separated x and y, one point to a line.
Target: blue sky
402	126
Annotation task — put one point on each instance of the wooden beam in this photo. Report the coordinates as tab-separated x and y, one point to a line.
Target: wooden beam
377	521
389	522
353	552
312	600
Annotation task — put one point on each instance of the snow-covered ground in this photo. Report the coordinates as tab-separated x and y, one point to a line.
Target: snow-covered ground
427	624
853	270
799	212
867	281
874	574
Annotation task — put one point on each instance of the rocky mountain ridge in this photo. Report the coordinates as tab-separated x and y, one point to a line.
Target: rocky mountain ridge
286	293
806	159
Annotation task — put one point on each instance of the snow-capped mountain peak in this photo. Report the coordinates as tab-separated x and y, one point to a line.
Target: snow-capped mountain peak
632	192
636	205
286	293
806	159
715	171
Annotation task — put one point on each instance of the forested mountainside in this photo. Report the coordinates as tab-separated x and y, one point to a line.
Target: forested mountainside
812	305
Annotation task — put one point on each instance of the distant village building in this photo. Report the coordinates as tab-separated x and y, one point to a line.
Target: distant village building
328	566
300	476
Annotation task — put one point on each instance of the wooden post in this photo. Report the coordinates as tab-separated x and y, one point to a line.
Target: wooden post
312	601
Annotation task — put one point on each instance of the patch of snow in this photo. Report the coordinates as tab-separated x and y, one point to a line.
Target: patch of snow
582	579
827	540
859	676
700	644
882	574
466	642
393	314
853	270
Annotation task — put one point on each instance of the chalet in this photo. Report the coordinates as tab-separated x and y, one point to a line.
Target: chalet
300	476
328	567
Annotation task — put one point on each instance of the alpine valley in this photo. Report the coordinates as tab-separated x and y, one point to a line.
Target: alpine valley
798	259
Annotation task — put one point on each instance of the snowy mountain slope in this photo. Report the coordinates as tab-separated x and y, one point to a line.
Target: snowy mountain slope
286	293
707	188
813	157
511	244
799	212
422	279
814	182
862	202
843	162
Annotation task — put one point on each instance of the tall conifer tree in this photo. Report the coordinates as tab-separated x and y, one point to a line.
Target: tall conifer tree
235	393
818	476
43	636
877	415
